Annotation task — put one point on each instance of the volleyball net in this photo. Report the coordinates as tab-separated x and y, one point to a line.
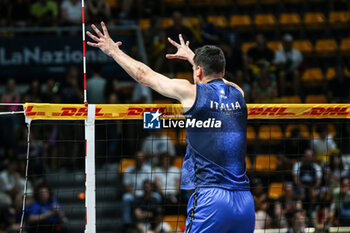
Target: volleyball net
298	157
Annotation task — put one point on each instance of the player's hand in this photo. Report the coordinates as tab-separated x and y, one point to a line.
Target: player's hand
183	50
103	41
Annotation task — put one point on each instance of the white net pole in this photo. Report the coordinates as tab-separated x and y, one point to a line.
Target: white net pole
90	187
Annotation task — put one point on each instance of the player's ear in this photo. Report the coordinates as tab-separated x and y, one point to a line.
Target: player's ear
223	73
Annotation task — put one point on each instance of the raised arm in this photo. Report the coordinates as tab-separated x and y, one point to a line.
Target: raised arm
178	89
185	53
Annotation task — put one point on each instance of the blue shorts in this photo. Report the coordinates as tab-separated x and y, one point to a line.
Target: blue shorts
220	210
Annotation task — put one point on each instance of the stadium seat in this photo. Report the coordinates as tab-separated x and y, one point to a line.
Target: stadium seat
125	163
193	21
275	190
275	45
345	45
178	161
182	137
314	20
290	21
240	21
270	133
330	74
315	99
291	99
171	133
145	24
219	21
303	129
247	45
312	75
251	134
339	17
326	46
304	46
248	163
331	130
185	75
266	162
265	21
113	3
176	222
167	22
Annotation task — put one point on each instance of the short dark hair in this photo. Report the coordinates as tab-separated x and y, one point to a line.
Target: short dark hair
211	58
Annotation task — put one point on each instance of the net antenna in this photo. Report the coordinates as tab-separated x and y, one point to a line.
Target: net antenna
84	49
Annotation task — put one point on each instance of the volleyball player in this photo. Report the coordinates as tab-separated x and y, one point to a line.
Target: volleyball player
215	158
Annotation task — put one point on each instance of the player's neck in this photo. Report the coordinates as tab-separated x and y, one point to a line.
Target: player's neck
211	78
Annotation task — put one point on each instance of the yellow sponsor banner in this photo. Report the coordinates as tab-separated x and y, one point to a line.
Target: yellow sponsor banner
135	111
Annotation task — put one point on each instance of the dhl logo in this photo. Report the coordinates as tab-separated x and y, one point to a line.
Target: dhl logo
284	111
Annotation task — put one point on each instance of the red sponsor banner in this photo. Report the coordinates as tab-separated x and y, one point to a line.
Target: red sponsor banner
135	111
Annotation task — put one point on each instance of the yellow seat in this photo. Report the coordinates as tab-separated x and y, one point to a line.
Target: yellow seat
167	22
304	46
345	45
178	161
316	99
275	45
185	75
266	162
240	21
219	21
182	137
314	19
326	46
312	75
251	134
247	45
292	19
125	163
270	133
275	190
265	20
303	129
331	130
331	73
176	222
145	24
248	163
292	99
337	17
113	3
193	21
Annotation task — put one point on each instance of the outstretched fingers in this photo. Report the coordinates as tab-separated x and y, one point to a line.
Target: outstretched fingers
182	42
92	36
173	42
93	44
104	28
98	32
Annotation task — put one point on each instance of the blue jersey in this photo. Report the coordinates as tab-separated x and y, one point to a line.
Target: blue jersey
215	157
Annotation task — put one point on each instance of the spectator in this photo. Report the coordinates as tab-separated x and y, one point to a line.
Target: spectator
298	222
50	92
34	92
335	170
167	180
45	214
288	199
157	144
146	205
307	174
264	88
141	94
294	148
70	91
288	61
5	223
323	145
44	12
71	12
96	86
208	34
340	206
278	219
158	225
338	87
11	96
262	219
134	177
99	10
240	79
259	56
15	213
9	183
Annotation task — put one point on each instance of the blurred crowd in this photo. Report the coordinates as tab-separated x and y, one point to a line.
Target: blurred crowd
315	193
